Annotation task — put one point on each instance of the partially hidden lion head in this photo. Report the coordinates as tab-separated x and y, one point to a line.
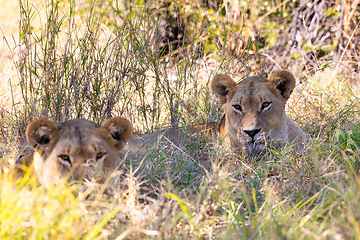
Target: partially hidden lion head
75	145
255	110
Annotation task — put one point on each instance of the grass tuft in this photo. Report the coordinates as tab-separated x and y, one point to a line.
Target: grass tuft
152	61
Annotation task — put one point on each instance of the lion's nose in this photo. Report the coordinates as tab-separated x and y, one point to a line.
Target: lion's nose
90	161
253	132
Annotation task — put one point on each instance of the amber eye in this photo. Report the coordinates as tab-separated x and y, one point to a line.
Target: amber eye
65	159
99	155
237	107
265	105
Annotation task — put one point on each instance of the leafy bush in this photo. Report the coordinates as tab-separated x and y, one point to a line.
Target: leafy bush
349	139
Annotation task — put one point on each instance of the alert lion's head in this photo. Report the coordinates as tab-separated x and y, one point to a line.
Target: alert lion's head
74	145
255	110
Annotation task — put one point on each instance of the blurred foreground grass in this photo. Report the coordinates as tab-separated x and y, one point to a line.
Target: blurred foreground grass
151	62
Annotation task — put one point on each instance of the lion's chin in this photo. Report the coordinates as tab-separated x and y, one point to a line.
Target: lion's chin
252	148
250	145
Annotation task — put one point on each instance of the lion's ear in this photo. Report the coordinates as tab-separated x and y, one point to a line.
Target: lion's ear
220	86
282	82
39	132
119	130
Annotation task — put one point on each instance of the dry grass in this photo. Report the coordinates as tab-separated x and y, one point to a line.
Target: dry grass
103	62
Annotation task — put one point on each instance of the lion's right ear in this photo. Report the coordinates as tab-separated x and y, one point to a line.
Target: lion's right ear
220	86
39	132
283	83
118	130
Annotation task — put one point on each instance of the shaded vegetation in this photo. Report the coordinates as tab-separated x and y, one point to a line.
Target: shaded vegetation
151	62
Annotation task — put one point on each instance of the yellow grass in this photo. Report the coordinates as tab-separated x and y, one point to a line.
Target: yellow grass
166	192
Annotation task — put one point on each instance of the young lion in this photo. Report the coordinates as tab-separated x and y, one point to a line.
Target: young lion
254	112
74	145
254	116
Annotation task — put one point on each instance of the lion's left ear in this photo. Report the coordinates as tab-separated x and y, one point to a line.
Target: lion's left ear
119	130
282	82
221	85
40	132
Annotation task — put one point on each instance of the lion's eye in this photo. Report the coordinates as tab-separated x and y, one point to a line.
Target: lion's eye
237	107
65	159
265	105
99	155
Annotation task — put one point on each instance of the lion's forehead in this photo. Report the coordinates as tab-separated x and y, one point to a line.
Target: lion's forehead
79	123
252	92
252	84
77	133
80	138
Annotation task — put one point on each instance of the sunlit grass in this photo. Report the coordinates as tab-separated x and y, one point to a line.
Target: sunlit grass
97	59
31	211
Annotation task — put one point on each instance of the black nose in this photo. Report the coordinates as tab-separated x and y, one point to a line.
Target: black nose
253	132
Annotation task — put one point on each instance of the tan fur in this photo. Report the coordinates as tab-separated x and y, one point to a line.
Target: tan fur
254	112
73	146
275	127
